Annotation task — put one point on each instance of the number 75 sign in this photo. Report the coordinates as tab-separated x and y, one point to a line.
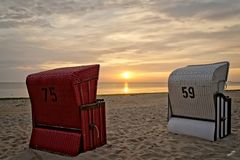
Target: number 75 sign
49	92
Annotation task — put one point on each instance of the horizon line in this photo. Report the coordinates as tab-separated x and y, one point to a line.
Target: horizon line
118	82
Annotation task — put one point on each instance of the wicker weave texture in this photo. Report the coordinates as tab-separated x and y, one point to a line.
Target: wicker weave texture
54	97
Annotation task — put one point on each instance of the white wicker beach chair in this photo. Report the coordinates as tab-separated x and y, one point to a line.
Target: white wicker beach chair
197	106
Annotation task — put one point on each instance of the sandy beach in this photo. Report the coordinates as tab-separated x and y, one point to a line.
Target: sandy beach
136	130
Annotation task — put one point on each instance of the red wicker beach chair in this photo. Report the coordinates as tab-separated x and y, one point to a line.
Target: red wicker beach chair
67	118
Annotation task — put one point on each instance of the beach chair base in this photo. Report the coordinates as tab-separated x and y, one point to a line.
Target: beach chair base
197	128
70	141
208	129
63	142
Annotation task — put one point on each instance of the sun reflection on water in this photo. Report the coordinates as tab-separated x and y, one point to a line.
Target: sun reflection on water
126	89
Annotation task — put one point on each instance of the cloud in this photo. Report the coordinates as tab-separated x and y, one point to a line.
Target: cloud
39	12
142	35
205	9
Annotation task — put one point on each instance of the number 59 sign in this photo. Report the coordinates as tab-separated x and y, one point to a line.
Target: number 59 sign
188	92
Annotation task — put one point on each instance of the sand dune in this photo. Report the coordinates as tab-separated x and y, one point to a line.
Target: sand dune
136	130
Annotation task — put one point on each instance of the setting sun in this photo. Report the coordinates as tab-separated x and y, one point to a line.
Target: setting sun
126	75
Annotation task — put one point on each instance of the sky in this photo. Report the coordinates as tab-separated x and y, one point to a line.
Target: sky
146	38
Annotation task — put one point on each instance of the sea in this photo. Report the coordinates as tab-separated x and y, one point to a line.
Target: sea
19	89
